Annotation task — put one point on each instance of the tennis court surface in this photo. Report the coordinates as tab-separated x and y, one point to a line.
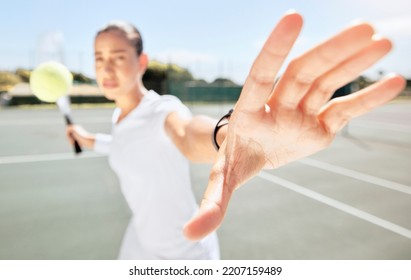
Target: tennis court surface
350	201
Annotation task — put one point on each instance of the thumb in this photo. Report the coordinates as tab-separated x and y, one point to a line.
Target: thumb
238	160
213	206
69	133
74	133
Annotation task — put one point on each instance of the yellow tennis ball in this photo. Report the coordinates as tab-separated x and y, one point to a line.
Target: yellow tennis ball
50	80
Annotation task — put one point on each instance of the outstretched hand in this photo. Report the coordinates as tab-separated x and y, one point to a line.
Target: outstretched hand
276	123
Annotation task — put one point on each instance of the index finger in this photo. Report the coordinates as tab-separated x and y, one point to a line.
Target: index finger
260	81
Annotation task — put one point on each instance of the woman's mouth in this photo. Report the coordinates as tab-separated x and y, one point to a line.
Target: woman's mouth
109	84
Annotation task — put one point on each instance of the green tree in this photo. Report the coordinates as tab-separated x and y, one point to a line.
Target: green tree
8	80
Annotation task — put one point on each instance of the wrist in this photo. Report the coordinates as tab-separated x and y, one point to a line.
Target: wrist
220	130
102	142
221	134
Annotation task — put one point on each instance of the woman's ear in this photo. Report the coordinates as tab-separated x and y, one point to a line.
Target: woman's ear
143	60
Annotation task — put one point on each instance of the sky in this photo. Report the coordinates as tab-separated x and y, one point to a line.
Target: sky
213	38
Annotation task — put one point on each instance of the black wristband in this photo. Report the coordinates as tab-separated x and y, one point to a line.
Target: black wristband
218	126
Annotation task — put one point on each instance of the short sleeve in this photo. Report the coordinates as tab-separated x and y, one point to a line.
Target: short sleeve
170	103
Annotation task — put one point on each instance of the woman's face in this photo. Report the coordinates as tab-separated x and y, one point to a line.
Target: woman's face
118	68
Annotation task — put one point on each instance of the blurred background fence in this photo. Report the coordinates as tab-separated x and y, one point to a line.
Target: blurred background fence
164	78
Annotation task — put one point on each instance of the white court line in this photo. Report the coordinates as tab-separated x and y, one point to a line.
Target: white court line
357	175
382	125
31	122
46	157
337	204
52	121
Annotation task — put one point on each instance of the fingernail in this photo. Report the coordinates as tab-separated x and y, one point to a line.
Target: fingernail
357	21
391	75
290	11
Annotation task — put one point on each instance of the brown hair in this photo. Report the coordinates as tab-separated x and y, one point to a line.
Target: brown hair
128	30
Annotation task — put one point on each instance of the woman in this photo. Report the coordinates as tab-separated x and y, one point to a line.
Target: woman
272	124
148	150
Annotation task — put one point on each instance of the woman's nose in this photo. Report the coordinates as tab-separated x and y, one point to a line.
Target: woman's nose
108	67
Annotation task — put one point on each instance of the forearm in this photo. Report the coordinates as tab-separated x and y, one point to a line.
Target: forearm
193	137
199	135
98	142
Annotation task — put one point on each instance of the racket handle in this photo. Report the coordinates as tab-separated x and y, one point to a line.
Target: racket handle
77	148
68	120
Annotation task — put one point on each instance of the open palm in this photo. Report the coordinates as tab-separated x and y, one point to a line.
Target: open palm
274	123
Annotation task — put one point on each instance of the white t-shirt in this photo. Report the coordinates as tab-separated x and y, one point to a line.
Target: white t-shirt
155	180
